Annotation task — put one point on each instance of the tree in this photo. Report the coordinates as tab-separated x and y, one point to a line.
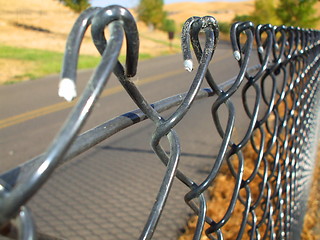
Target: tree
300	13
265	12
151	12
297	13
76	5
168	25
224	27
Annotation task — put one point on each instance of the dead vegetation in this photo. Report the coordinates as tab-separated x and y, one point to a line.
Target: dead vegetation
220	193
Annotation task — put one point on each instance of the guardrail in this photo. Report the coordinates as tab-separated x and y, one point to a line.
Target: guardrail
282	129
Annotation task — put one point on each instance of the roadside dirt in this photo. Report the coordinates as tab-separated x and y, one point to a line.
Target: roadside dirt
45	25
57	20
12	68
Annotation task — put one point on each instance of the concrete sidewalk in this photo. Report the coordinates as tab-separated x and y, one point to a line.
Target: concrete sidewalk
107	193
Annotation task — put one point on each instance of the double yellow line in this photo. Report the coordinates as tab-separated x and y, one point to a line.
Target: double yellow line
7	122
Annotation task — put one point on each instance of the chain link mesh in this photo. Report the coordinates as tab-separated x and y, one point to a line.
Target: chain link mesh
280	96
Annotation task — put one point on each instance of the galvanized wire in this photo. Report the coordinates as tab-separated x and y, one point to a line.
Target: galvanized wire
281	130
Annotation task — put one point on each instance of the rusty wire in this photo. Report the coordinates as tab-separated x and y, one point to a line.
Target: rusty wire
281	130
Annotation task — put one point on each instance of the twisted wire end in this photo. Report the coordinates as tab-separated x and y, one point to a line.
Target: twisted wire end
67	89
188	65
237	55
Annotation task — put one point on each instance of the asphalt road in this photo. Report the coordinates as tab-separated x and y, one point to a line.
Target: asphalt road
106	192
31	112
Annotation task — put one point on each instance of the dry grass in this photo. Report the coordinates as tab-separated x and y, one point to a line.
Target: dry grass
54	17
311	226
50	15
220	193
58	20
222	11
13	71
220	196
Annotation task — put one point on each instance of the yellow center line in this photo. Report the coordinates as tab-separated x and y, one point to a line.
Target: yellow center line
7	122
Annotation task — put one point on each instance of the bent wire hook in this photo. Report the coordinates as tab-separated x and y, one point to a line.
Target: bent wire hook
67	85
113	13
163	126
11	200
191	29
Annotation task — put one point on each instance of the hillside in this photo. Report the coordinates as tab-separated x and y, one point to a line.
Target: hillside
222	11
46	24
38	24
47	15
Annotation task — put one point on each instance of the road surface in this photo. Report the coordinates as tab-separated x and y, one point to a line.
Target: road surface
107	192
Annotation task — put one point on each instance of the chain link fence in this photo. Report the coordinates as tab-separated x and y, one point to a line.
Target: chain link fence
280	96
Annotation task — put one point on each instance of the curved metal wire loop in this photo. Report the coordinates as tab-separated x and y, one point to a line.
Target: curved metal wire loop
190	32
285	72
25	226
12	199
113	13
164	128
67	85
205	184
280	97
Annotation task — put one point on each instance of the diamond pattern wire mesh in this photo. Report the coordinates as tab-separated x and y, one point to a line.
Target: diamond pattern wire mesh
269	187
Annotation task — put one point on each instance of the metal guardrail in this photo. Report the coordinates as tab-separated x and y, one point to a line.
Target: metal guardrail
282	130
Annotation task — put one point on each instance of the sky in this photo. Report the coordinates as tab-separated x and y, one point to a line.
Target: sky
133	3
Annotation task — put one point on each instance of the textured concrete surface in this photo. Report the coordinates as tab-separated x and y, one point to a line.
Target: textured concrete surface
107	193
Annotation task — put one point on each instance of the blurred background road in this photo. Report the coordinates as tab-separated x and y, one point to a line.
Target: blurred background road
107	192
